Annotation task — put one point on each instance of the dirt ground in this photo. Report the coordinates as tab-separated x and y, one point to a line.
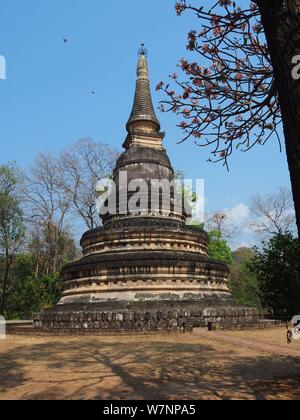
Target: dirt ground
253	365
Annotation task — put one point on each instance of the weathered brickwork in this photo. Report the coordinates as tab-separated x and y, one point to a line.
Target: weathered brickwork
172	320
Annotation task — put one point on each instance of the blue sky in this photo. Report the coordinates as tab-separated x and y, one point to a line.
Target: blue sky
46	101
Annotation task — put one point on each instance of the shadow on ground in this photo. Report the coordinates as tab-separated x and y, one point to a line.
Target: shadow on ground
155	370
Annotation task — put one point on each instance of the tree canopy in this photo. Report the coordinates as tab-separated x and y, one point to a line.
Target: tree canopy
240	85
227	101
11	227
277	267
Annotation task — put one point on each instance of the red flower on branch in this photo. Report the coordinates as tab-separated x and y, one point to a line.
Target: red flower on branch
228	94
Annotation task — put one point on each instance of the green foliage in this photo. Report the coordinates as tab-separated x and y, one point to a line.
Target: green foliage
218	248
12	229
51	249
11	221
277	267
243	282
199	226
30	294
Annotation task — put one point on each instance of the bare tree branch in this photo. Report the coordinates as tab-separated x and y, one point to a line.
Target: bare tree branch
273	213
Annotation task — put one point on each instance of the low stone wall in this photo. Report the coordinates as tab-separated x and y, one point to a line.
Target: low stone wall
134	321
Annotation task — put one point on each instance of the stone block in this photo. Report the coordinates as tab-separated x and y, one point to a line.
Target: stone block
129	316
173	323
120	317
162	325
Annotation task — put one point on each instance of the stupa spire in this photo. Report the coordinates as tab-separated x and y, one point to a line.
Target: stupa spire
143	118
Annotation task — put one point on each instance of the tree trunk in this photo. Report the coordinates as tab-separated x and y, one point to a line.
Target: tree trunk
37	267
281	20
5	282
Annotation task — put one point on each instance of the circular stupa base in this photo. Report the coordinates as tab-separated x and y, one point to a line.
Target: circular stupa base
147	316
144	276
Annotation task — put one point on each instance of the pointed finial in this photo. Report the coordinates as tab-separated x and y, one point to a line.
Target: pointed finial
143	117
143	50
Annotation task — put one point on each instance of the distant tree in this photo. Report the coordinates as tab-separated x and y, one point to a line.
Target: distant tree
31	294
60	194
20	297
11	228
83	165
47	206
273	214
218	248
221	222
277	267
40	246
244	88
243	282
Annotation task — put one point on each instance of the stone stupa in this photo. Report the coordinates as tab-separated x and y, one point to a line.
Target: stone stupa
146	271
